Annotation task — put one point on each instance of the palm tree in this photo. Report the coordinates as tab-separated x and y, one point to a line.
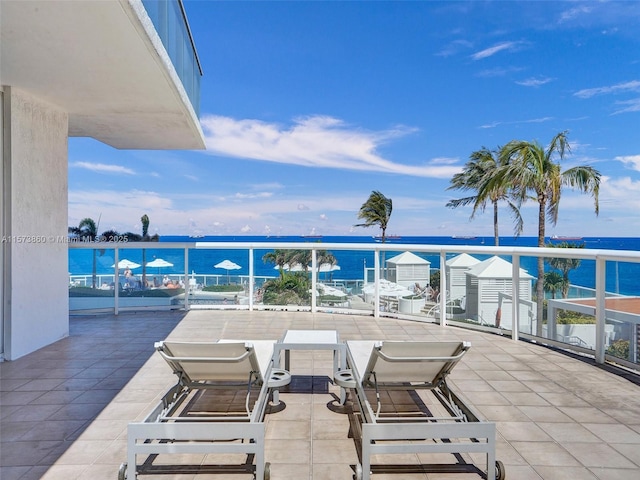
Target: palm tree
88	231
376	211
565	265
529	168
145	238
481	166
553	282
277	257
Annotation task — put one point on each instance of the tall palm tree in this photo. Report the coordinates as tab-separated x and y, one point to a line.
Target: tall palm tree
480	168
145	238
565	265
553	282
88	231
277	257
530	169
376	211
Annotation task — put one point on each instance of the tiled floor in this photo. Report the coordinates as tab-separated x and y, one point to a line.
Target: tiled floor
65	409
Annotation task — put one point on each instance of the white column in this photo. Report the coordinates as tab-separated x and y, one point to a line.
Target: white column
35	222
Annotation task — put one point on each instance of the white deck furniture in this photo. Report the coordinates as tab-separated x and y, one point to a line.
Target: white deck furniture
439	423
310	340
200	414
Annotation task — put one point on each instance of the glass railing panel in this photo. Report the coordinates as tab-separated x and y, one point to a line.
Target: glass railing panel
171	26
218	277
91	279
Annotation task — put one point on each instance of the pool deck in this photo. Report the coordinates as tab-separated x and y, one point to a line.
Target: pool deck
64	409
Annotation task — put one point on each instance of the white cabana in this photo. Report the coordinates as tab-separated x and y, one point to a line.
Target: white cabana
489	293
407	269
456	276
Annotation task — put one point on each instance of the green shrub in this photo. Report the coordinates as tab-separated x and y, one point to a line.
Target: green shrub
223	288
620	349
566	317
97	292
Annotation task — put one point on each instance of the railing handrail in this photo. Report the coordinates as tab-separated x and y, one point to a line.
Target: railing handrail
546	252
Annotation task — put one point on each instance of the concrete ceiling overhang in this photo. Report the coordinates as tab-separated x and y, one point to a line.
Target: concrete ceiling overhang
103	63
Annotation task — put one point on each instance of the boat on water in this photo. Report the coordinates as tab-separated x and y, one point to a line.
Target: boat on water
564	238
378	238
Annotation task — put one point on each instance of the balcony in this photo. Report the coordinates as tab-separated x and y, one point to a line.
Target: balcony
65	408
170	21
133	80
478	296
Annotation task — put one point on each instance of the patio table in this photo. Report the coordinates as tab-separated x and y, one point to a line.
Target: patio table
310	340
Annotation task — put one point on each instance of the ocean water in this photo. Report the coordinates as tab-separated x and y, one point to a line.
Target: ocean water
621	278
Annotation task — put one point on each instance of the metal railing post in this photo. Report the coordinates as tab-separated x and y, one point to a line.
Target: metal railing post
376	279
116	282
443	288
187	285
515	298
251	279
601	270
314	280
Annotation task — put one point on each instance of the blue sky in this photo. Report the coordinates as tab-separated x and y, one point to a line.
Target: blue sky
309	106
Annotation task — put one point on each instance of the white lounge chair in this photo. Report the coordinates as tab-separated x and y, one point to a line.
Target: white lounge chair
376	367
199	415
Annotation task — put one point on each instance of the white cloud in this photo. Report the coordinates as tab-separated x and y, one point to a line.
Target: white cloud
245	229
620	194
454	47
632	161
314	141
323	217
516	122
630	106
632	86
103	168
498	71
489	52
444	161
534	82
302	207
253	195
573	13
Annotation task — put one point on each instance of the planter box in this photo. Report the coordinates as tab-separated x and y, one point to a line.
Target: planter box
410	305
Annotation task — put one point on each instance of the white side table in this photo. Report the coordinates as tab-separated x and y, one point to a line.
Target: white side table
310	340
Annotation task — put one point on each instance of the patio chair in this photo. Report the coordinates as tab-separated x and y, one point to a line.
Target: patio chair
217	406
407	421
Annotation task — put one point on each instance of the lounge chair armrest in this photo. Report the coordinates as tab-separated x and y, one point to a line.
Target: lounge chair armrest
206	359
388	358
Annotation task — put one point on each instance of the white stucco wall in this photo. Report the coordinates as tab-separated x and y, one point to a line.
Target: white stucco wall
39	309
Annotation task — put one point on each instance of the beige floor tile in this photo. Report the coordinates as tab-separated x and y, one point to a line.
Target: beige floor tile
522	431
564	473
545	454
568	432
598	455
614	433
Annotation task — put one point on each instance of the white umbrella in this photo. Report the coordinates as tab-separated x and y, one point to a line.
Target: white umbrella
228	265
159	263
297	267
124	263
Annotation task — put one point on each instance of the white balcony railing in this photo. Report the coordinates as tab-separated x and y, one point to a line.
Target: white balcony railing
489	304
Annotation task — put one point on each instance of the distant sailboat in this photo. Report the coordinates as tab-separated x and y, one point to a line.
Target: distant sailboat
563	238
